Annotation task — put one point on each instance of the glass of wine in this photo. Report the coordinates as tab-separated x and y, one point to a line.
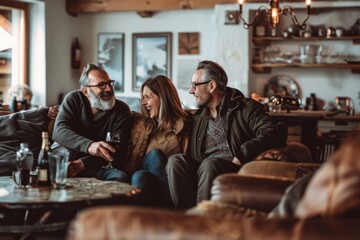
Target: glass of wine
114	140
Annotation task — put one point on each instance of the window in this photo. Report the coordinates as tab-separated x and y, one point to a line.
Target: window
13	46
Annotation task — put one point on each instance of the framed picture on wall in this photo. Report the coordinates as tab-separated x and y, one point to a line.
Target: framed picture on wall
189	43
111	57
151	56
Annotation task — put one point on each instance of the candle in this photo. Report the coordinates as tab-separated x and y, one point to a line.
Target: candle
308	6
240	5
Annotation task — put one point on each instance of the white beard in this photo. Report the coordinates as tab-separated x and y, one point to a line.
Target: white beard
100	104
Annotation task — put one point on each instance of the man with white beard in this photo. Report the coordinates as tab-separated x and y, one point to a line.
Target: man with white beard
83	121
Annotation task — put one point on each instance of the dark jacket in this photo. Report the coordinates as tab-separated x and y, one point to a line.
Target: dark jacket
249	129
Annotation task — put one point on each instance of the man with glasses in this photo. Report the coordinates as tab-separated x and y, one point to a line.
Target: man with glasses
82	124
229	130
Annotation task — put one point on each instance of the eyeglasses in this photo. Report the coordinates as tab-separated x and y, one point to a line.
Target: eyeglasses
102	85
194	84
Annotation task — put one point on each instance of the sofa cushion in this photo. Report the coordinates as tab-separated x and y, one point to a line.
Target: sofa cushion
335	188
24	126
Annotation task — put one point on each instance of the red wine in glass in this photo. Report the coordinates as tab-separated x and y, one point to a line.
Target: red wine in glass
114	140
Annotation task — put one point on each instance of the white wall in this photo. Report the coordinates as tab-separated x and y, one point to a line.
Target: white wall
129	23
226	44
61	28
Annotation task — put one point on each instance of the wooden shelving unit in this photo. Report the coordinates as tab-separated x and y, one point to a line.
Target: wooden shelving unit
266	41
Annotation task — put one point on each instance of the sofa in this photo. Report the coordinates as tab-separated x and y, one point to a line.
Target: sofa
242	206
23	126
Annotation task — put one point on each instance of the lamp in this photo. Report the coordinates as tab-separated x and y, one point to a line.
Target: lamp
274	11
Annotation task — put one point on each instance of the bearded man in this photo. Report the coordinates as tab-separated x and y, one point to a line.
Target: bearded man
82	123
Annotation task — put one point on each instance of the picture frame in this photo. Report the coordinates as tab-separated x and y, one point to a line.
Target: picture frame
111	57
189	43
151	56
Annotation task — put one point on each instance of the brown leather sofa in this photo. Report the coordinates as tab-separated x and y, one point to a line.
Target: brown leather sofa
328	209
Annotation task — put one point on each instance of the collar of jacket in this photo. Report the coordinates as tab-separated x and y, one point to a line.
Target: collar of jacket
231	100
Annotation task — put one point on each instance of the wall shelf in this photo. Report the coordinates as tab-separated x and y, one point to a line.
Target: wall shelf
266	67
266	41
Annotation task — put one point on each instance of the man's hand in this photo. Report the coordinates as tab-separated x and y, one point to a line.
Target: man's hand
53	112
101	149
237	162
75	168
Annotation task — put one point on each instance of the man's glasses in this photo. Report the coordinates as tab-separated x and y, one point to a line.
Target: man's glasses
194	84
102	85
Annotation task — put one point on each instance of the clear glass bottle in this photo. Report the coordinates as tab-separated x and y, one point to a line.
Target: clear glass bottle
24	157
43	167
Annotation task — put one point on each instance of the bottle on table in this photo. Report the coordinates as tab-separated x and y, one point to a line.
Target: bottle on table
43	166
24	161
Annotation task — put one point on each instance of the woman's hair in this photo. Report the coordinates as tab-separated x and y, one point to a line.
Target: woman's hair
170	105
213	71
84	75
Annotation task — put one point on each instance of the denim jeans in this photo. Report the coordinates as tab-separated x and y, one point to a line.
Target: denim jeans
111	174
152	179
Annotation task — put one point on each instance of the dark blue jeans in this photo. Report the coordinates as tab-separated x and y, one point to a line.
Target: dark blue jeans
111	174
152	179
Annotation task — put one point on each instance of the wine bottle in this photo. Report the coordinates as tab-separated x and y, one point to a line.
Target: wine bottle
43	167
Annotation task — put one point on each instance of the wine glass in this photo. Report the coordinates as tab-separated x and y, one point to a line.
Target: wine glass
114	140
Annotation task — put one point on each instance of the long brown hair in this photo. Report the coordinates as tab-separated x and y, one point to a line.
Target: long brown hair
170	105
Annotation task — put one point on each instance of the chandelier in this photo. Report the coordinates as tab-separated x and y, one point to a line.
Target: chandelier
274	12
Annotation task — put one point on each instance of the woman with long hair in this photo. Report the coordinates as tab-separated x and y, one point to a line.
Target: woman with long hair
162	129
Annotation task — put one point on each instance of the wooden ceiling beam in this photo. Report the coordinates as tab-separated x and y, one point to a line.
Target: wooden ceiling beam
74	7
94	6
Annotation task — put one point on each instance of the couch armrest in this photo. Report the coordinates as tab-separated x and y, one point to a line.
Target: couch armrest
119	222
260	193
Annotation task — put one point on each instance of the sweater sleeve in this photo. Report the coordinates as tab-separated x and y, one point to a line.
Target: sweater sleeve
65	133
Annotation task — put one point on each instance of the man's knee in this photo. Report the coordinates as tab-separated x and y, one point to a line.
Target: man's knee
208	165
175	161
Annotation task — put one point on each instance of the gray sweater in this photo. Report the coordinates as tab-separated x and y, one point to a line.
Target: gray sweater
76	128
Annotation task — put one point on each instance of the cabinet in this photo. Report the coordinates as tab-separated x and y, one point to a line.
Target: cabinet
264	67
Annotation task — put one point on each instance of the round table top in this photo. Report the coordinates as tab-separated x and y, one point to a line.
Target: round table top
77	190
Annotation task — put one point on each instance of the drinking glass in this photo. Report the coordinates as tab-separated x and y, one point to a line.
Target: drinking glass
114	140
58	162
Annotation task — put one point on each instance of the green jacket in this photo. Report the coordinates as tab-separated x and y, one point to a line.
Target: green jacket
249	130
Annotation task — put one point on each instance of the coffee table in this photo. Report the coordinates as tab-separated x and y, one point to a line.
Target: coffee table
41	209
